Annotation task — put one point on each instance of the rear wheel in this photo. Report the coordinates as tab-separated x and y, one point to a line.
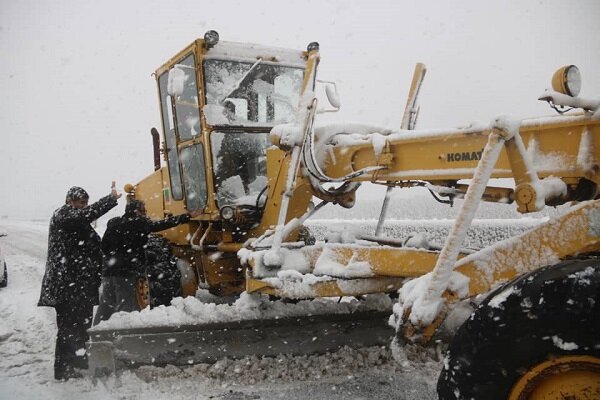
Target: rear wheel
533	336
142	293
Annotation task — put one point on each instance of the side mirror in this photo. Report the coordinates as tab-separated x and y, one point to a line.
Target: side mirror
175	81
332	96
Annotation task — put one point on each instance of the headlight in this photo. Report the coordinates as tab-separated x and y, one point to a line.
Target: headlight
567	80
227	213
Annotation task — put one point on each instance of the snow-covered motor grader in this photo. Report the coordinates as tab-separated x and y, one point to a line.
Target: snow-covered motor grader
241	147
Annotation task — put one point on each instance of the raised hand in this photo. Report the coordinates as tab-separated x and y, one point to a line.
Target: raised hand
113	191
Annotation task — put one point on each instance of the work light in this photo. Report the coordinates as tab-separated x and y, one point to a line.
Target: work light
211	38
567	80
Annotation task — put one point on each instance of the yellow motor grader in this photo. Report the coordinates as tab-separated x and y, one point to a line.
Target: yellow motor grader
242	150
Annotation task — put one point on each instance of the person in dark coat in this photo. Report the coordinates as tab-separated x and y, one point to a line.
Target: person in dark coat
164	277
72	276
124	248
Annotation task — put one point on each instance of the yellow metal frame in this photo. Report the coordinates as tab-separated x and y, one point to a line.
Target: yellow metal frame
576	232
440	157
507	259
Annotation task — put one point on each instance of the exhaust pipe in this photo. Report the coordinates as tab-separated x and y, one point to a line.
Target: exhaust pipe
156	148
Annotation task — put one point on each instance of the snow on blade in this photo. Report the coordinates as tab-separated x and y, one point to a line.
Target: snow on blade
192	311
411	298
288	260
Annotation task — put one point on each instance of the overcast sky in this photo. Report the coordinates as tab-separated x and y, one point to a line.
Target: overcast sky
79	99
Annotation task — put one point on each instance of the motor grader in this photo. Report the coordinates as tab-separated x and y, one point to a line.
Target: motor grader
241	149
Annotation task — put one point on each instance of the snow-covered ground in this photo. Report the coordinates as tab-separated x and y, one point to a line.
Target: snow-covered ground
27	335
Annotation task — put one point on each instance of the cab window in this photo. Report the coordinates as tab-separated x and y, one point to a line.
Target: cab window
194	176
239	164
186	104
169	135
244	93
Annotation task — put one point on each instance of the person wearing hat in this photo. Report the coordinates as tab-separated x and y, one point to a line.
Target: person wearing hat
72	276
124	245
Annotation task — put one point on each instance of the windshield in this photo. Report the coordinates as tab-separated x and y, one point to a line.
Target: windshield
239	161
250	94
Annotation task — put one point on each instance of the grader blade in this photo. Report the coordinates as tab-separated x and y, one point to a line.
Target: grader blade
113	349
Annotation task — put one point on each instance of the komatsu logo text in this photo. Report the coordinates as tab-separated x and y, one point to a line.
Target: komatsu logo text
464	156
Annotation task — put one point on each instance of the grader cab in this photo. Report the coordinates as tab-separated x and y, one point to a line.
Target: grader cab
219	102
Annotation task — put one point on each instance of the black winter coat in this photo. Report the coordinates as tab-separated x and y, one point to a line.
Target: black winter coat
74	260
125	239
163	275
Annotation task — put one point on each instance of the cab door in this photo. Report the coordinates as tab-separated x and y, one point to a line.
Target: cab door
183	134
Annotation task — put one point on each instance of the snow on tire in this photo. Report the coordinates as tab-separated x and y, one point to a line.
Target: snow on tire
546	314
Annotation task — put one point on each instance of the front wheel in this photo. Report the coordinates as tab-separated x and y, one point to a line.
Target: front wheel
573	377
142	292
536	335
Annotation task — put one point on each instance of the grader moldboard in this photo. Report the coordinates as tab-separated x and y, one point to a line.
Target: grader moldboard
241	149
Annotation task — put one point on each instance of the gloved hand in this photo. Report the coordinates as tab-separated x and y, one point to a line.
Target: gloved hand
183	218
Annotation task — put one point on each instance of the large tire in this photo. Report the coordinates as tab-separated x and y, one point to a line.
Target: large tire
551	313
4	281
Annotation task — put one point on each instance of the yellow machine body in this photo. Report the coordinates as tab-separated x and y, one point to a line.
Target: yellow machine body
562	147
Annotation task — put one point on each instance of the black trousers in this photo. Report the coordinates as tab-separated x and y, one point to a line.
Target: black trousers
117	294
72	320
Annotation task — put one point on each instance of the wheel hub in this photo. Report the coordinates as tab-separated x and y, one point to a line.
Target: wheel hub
563	378
142	293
